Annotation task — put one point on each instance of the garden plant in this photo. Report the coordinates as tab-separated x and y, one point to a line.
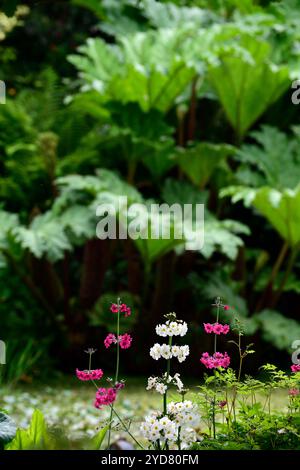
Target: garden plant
121	124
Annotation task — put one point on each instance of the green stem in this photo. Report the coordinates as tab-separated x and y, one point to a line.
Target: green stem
116	374
287	273
215	340
168	374
125	427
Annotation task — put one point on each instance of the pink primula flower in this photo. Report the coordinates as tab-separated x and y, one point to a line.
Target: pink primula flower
109	340
123	309
293	392
215	361
104	397
216	328
295	368
125	341
84	375
208	327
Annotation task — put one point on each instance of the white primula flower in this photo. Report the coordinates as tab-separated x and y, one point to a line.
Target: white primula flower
151	383
183	329
174	328
161	388
177	381
175	351
165	351
155	351
162	330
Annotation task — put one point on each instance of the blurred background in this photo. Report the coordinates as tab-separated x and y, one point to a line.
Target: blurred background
176	102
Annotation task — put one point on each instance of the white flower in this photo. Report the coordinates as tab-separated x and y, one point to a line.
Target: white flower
183	329
183	353
161	388
155	351
165	351
178	383
173	328
151	383
162	330
188	436
175	351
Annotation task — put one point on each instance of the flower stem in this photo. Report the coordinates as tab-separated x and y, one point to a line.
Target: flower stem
125	427
215	341
116	374
168	374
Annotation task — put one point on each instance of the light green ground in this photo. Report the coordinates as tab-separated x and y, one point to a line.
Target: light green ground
69	404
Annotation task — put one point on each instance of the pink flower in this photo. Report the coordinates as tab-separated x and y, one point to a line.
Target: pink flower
215	361
295	368
89	374
226	307
208	327
104	397
293	392
109	340
217	328
125	341
222	403
119	385
125	309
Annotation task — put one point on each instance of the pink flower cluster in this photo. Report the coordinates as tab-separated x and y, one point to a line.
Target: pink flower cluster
84	375
124	340
104	397
295	368
293	392
215	361
109	340
216	328
123	309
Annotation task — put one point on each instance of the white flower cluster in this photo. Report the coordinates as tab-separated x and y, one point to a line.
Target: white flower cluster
174	426
172	328
167	352
160	385
184	412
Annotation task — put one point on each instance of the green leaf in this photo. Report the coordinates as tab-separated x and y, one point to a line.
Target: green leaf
144	68
199	162
247	85
96	442
280	208
274	161
7	429
44	237
277	329
36	437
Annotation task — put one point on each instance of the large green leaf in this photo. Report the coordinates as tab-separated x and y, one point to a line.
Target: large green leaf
144	68
8	222
200	161
281	208
36	437
277	329
274	161
220	236
44	237
247	84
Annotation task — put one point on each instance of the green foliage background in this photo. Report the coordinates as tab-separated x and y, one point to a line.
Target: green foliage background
176	102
